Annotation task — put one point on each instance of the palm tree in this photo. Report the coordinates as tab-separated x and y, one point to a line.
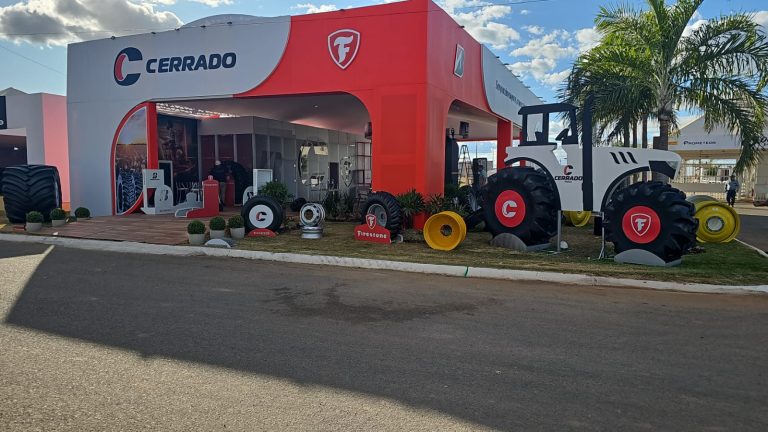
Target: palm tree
651	64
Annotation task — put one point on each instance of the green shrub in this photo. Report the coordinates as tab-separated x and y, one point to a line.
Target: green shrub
34	217
236	221
196	227
331	204
82	213
58	214
436	203
217	224
411	203
276	190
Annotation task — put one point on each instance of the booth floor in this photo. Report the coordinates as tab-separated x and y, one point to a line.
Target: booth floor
159	229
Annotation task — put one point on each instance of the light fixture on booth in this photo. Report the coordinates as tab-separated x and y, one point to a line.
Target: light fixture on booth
464	129
15	149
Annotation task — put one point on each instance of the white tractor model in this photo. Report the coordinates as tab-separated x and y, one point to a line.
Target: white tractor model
648	216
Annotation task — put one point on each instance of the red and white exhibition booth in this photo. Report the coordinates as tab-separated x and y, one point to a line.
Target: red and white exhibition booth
331	101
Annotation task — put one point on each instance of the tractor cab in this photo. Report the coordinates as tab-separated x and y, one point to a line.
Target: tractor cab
536	124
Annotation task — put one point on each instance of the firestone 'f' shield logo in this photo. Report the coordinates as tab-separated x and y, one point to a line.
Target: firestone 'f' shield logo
641	223
130	54
371	220
343	46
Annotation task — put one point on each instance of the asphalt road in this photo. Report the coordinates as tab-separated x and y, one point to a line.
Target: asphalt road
754	230
101	341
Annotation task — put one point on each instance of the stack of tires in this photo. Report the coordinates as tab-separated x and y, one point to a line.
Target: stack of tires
27	188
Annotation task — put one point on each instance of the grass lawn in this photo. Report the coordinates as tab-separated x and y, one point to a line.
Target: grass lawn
724	264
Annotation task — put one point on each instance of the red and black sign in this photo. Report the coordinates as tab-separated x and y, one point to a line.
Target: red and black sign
372	232
262	232
510	208
641	224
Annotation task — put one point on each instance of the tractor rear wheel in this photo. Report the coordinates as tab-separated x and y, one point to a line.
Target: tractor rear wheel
652	216
521	201
30	187
387	210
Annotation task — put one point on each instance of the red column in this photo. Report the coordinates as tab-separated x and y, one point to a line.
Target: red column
503	140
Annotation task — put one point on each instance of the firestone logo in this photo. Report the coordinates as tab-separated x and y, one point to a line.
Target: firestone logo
641	223
343	46
371	219
169	64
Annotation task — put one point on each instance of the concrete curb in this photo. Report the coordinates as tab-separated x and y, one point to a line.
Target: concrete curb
445	270
755	248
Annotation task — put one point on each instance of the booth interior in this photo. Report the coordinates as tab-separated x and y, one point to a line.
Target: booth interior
313	144
13	147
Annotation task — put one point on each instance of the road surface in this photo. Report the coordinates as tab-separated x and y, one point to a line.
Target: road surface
94	341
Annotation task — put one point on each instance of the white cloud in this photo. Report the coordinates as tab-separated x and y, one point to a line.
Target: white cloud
312	8
211	3
588	38
58	22
482	21
550	46
525	12
761	18
537	30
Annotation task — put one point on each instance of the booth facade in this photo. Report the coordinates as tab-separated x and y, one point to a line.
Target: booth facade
33	130
328	101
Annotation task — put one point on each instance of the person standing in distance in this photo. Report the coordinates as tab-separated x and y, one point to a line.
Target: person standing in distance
731	188
219	173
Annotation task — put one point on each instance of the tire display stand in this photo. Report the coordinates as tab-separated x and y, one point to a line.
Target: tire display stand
644	257
154	185
513	242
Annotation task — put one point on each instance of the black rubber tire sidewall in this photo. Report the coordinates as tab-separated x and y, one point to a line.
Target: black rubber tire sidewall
27	188
540	198
678	226
390	205
271	203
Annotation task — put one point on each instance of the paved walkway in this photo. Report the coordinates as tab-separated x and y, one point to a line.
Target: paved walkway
160	229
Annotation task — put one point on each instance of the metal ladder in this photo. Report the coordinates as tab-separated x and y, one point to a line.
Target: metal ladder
465	164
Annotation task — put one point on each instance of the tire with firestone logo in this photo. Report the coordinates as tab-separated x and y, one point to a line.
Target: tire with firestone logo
262	212
521	201
387	210
652	216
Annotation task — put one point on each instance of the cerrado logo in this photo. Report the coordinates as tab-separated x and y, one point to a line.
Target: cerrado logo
567	175
188	63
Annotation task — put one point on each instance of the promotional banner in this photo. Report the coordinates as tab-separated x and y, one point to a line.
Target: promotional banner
505	93
706	142
3	114
372	232
177	143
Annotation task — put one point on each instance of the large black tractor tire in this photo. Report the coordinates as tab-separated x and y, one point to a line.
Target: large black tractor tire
30	187
387	210
652	216
523	202
475	218
262	212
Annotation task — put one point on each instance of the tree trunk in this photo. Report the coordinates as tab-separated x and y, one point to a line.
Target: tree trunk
634	134
644	138
626	135
664	125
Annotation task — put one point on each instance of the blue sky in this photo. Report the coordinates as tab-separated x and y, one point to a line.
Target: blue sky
539	39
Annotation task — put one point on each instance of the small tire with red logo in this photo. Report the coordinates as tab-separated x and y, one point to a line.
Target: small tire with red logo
652	216
521	201
262	212
387	210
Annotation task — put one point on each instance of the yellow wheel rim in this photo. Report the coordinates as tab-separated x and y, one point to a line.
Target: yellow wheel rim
577	218
718	222
445	231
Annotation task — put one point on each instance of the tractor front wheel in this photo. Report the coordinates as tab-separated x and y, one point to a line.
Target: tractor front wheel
521	201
